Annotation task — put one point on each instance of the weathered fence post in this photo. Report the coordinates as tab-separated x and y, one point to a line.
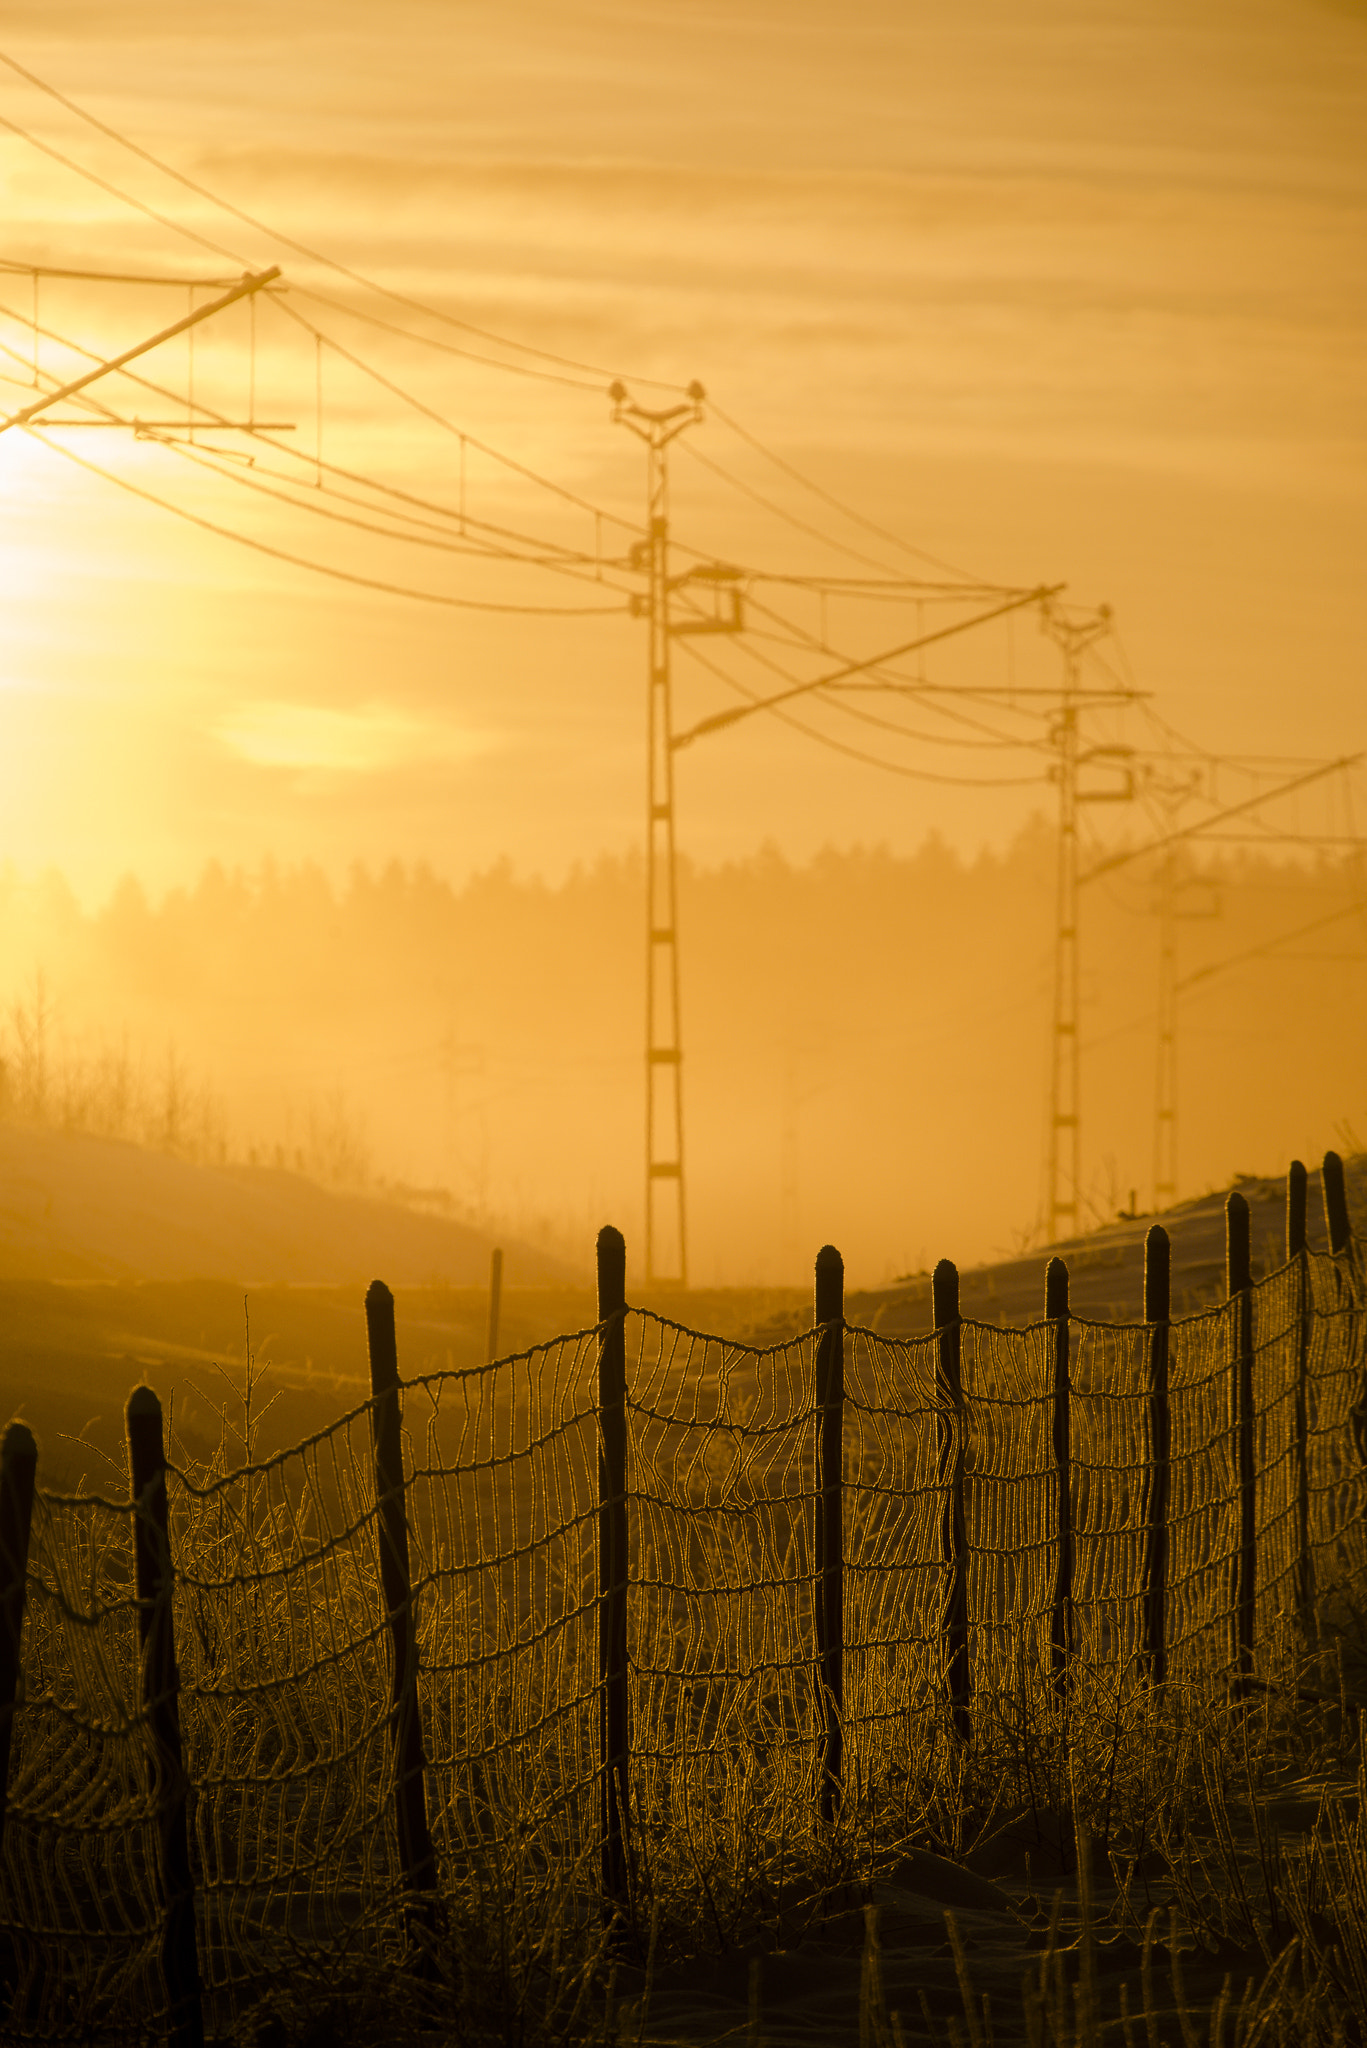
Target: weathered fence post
614	1734
1297	1207
1061	1624
1239	1274
1157	1314
1297	1185
161	1700
944	1289
18	1469
416	1859
830	1545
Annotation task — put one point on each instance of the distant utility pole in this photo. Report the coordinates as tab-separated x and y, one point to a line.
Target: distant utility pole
1172	880
1064	1169
725	617
666	1237
1165	1081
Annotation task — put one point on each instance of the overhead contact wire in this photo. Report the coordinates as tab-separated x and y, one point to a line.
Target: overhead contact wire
835	701
211	417
439	419
856	753
777	511
284	495
829	498
322	568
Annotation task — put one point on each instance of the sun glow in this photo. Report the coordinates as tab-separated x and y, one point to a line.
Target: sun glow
30	567
366	740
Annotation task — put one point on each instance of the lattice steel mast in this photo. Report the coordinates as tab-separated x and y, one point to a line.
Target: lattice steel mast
666	1238
1064	1167
1174	883
1165	1081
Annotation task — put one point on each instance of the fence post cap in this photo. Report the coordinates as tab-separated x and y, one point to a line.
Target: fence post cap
1056	1287
1238	1243
611	1251
1335	1191
944	1292
1236	1219
381	1342
1297	1207
611	1261
1157	1275
828	1303
19	1442
146	1444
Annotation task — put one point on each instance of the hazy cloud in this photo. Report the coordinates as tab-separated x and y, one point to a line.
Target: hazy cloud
368	740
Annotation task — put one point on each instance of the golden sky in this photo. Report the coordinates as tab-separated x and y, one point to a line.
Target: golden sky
1056	290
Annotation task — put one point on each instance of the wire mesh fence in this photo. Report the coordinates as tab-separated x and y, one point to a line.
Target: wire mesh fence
288	1684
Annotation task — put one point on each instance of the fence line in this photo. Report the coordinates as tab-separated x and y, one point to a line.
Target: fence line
588	1590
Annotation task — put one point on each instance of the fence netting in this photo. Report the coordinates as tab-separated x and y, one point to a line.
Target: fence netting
284	1650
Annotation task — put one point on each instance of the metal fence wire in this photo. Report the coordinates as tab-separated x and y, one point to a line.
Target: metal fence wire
283	1677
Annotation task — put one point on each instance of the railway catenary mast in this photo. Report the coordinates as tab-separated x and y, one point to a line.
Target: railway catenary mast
666	1231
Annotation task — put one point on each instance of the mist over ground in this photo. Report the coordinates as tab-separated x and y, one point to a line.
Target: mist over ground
866	1039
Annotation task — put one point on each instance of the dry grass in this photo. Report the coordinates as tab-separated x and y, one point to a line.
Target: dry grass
1149	1871
1157	1869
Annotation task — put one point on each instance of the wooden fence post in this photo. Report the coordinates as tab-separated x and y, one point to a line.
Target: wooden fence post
830	1546
944	1289
1297	1208
18	1470
1297	1186
1061	1624
417	1862
1157	1315
161	1700
614	1733
1239	1275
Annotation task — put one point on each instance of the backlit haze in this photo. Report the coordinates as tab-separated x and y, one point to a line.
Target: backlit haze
1051	293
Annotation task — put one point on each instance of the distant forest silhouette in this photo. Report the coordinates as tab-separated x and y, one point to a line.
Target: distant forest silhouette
865	1036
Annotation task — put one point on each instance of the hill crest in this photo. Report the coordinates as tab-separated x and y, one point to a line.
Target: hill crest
81	1208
